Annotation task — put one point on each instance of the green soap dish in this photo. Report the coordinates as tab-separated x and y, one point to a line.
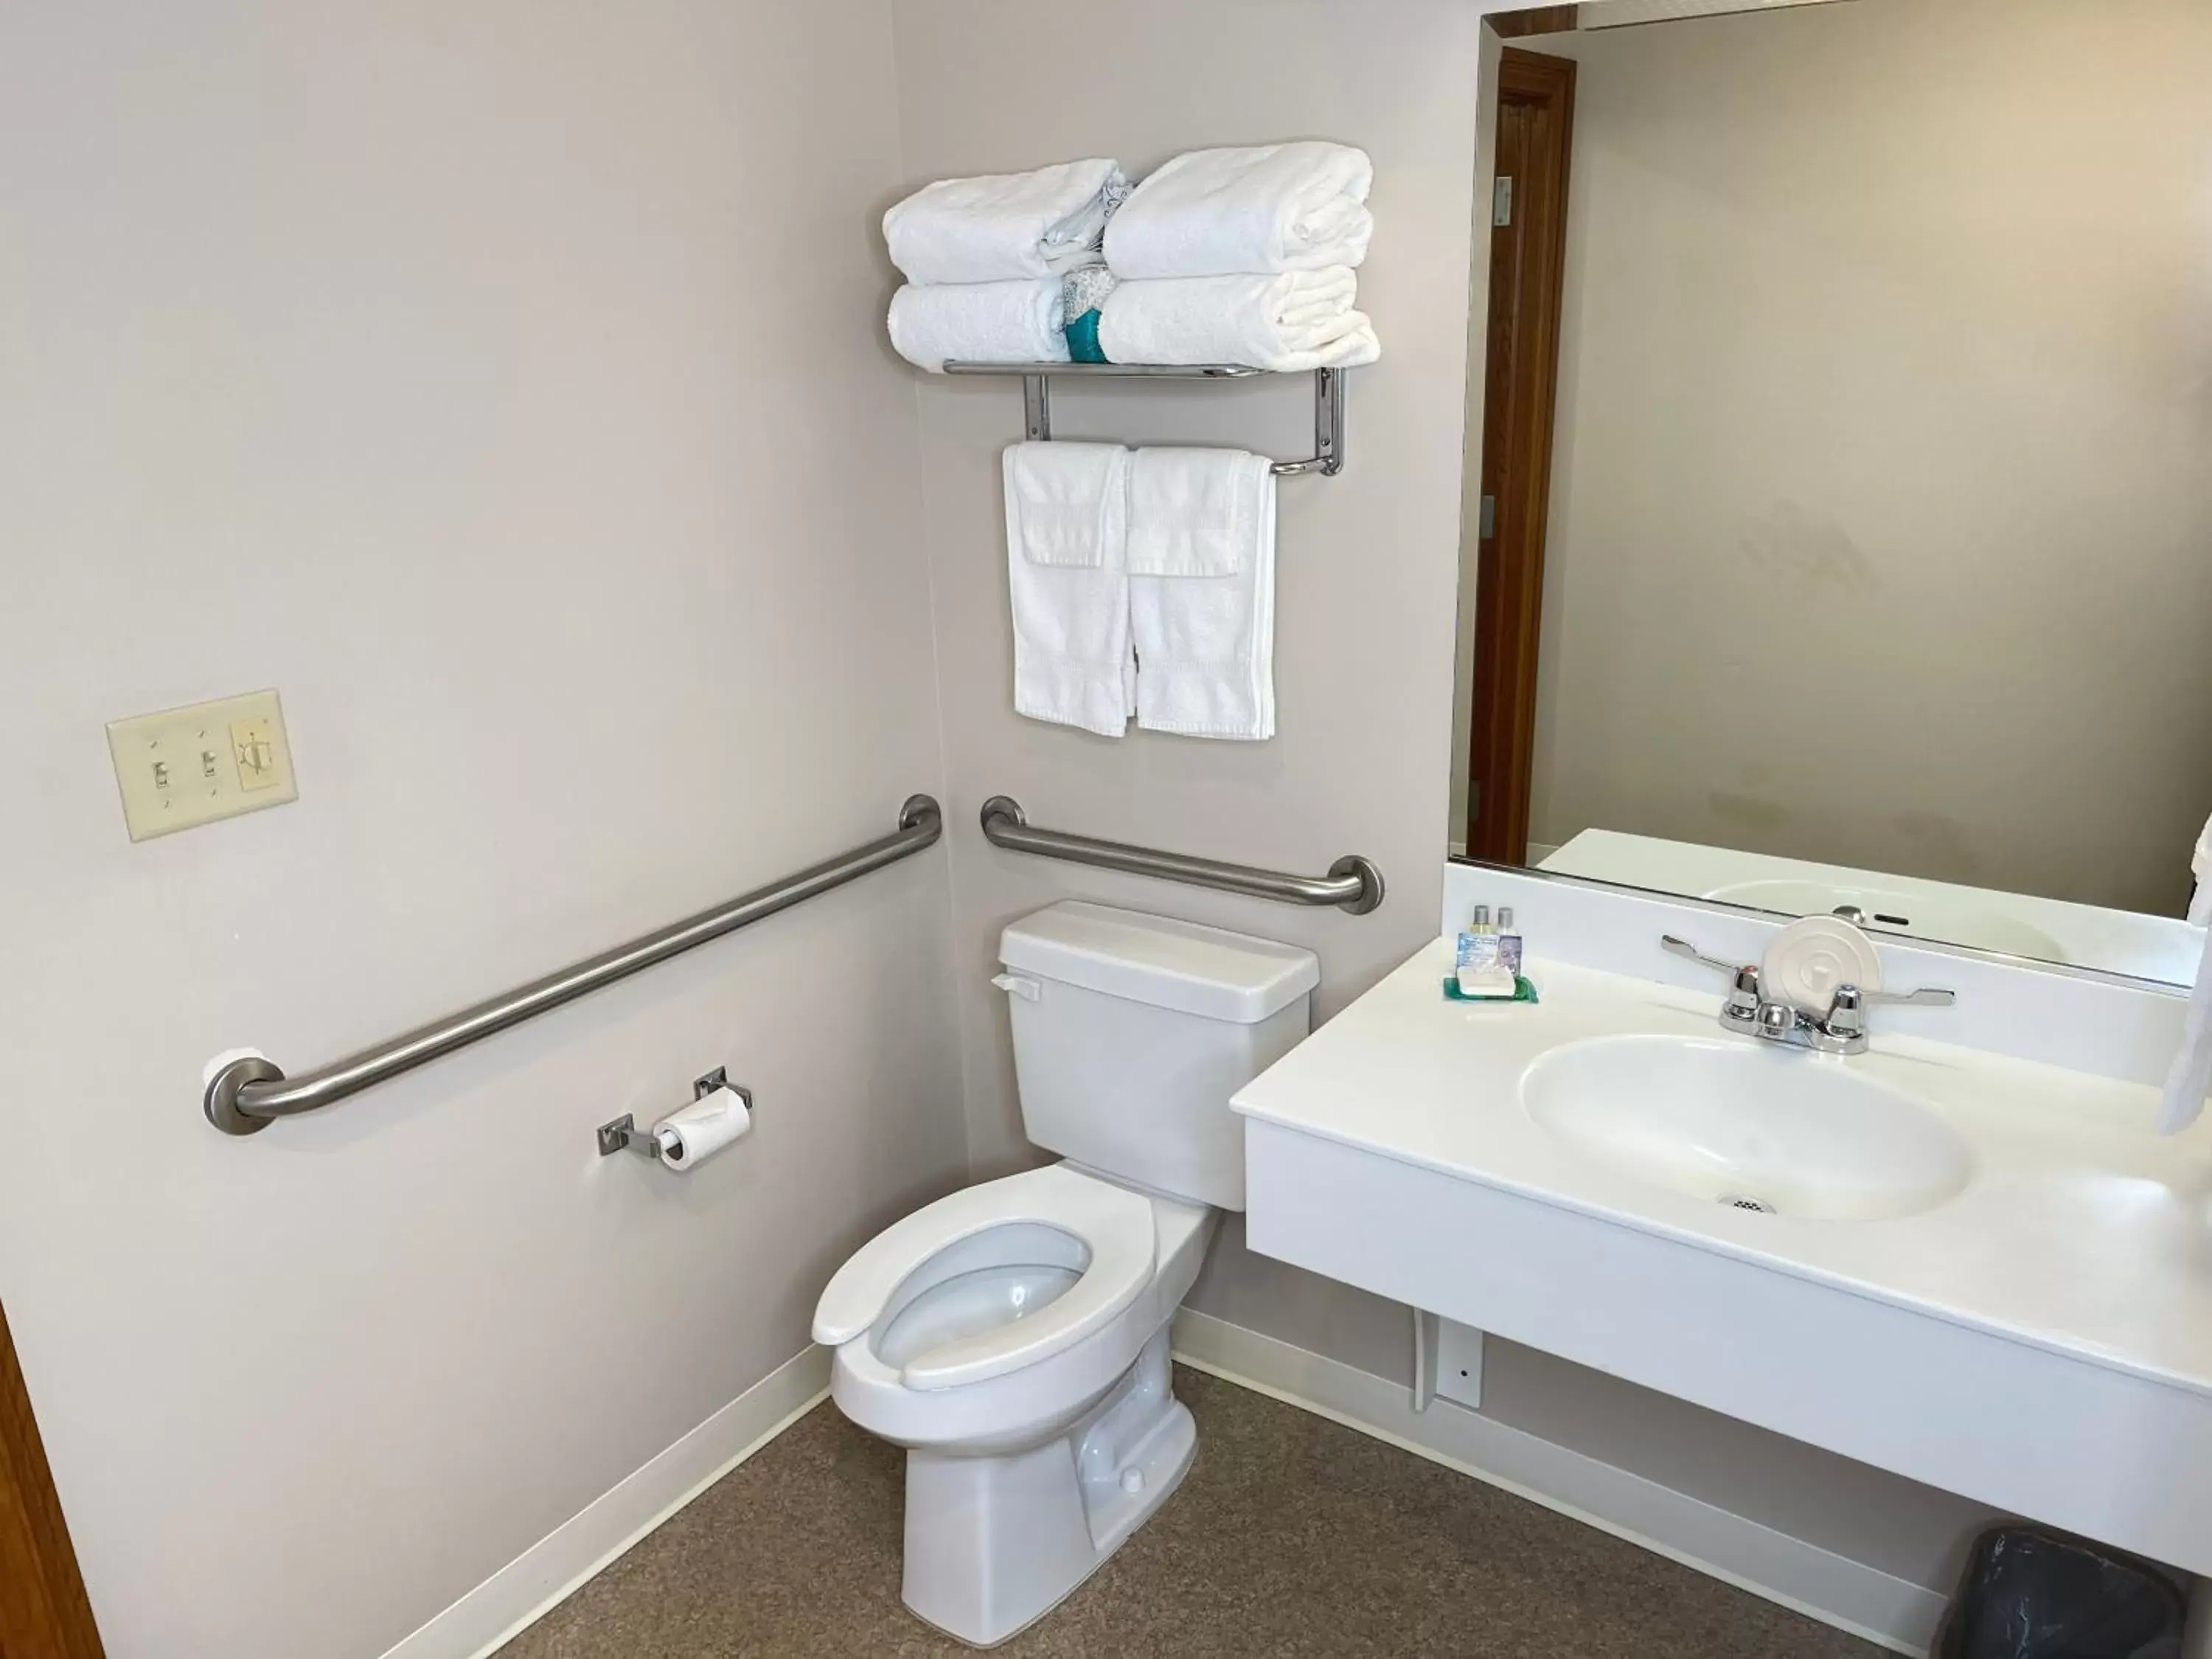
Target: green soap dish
1523	992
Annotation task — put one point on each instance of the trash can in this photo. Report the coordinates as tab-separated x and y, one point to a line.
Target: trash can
2028	1593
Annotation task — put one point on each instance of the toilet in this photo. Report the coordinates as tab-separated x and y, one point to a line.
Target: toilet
1014	1336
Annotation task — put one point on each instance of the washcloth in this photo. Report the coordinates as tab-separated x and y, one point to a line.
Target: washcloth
1067	532
1083	290
1006	226
1296	320
1298	206
2190	1079
1202	591
980	322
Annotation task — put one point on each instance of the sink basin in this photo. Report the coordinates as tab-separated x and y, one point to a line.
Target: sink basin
1734	1121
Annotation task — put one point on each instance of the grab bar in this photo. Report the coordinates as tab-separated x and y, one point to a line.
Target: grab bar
1353	883
249	1094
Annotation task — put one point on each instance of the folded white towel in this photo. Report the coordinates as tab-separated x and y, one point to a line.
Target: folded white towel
1203	614
1067	532
1295	321
2190	1079
1005	226
1273	207
980	322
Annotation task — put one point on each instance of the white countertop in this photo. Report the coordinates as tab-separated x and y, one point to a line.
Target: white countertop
2079	1231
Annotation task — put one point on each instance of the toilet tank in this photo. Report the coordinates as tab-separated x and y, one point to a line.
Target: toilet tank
1132	1032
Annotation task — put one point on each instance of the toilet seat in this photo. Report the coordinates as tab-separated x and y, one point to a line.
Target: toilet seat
993	1224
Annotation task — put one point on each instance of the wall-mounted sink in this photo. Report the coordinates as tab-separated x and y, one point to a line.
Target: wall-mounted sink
1968	1247
1763	1129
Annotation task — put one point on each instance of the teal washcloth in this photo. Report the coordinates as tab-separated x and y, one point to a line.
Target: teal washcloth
1083	339
1082	291
1522	991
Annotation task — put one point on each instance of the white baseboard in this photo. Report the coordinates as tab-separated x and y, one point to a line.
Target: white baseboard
535	1581
1849	1595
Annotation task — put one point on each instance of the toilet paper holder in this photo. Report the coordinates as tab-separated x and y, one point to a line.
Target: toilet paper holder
623	1132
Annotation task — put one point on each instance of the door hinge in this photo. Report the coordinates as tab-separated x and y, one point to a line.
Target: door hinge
1474	797
1489	517
1501	201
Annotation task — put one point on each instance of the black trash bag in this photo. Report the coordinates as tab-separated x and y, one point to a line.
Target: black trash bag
2032	1594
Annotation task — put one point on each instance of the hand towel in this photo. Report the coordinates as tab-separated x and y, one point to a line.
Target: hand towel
2190	1079
1067	532
980	322
1297	320
1298	206
1202	591
1006	226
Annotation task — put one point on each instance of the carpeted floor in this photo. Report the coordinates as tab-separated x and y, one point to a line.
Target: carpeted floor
1291	1535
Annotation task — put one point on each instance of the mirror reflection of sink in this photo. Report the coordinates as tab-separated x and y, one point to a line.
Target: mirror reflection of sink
1926	915
1738	1123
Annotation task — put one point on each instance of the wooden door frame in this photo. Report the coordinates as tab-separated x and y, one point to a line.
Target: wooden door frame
1510	585
44	1614
1536	20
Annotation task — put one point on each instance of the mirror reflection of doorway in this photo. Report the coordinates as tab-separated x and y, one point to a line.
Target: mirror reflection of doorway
1534	148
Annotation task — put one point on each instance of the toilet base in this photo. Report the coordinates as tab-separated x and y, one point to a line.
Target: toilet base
995	1543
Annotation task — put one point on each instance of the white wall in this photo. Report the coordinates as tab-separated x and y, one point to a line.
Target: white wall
1880	533
492	379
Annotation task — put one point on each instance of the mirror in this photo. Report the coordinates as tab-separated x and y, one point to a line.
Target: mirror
1839	471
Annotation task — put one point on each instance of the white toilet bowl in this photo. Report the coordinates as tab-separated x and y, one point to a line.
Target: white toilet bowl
1014	1337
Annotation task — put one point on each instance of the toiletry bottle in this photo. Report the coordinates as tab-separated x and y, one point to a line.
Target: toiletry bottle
1508	945
1477	964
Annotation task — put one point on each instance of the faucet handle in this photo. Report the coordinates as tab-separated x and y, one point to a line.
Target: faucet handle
1744	999
1928	996
1682	947
1847	1013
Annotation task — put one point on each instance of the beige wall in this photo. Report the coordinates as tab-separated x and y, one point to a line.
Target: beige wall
1366	588
494	379
1879	531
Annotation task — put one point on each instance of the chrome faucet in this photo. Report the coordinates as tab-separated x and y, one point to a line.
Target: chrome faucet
1749	1012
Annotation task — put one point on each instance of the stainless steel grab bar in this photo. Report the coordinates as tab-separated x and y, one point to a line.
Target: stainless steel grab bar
248	1095
1353	883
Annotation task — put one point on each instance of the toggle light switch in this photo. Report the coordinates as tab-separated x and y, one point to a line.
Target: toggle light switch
186	767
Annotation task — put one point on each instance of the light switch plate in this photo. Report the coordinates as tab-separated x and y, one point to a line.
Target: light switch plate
186	767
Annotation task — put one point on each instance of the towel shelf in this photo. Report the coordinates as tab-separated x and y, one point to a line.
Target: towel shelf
1328	459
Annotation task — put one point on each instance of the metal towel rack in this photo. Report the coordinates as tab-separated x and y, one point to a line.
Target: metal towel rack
1328	459
248	1095
1353	883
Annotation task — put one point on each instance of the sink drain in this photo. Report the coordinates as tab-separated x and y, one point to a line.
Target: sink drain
1756	1205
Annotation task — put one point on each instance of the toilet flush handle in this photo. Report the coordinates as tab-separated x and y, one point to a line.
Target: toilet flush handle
1020	985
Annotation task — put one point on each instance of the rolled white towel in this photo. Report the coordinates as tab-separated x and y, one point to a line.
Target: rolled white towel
1295	321
1005	226
980	322
1298	206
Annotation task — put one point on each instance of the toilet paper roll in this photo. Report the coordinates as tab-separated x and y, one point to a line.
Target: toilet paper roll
702	1129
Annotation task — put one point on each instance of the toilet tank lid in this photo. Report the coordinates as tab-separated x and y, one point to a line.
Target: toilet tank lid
1208	971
